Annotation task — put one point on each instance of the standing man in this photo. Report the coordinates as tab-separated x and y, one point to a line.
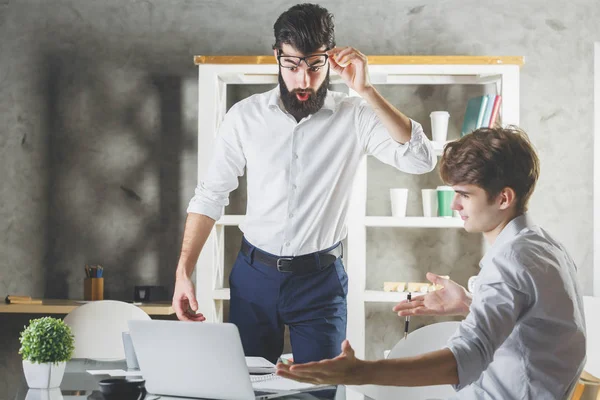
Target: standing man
524	334
301	145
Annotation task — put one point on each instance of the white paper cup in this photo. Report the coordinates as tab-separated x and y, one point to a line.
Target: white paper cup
439	125
430	202
398	199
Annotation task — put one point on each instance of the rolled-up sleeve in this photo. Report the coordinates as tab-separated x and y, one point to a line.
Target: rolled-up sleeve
415	156
221	177
499	302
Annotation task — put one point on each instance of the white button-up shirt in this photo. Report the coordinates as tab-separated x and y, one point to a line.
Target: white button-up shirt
299	175
524	337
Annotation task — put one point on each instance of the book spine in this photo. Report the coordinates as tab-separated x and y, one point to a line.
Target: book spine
495	110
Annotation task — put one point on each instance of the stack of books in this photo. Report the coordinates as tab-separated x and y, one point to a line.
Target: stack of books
481	112
11	299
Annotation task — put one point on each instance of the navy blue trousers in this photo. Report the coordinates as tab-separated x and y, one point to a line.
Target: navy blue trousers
312	305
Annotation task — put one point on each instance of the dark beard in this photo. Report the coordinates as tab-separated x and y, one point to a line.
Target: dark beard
302	109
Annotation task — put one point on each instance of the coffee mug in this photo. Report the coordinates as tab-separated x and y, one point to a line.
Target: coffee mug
445	195
118	388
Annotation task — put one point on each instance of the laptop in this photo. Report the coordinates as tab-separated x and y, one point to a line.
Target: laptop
195	359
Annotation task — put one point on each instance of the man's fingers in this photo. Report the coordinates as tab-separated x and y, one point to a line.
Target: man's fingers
437	279
182	316
192	301
345	60
335	50
177	308
407	305
196	317
335	66
347	349
316	372
299	378
422	310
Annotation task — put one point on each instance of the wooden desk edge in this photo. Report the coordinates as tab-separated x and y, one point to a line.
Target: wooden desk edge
66	306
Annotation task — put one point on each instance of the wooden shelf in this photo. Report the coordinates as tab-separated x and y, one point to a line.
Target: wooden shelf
415	222
376	60
66	306
216	73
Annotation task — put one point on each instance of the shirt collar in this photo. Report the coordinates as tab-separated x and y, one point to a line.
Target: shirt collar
275	100
512	229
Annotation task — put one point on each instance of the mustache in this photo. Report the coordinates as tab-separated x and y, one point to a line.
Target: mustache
310	91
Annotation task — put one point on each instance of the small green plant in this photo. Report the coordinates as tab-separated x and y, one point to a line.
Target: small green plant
47	340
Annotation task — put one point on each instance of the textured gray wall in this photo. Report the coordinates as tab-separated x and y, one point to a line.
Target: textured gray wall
98	124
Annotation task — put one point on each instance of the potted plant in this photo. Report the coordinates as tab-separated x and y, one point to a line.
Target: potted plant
46	346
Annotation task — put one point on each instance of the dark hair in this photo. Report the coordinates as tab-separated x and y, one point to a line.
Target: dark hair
306	27
493	159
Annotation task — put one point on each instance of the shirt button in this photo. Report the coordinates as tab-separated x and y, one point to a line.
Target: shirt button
291	215
294	187
295	156
288	244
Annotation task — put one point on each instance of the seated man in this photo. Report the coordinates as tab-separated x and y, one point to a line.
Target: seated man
524	335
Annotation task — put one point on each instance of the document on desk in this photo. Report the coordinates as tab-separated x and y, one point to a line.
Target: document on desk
259	365
275	383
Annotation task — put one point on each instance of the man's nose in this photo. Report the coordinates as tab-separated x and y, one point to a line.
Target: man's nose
303	80
456	203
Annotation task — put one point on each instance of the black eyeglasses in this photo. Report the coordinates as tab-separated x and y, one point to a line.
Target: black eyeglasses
312	61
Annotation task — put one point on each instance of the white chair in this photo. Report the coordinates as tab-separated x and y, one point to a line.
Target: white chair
423	340
98	328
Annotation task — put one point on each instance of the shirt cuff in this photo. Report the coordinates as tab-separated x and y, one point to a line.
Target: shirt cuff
463	361
416	138
197	206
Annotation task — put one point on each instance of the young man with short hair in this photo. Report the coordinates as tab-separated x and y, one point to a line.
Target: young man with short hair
524	333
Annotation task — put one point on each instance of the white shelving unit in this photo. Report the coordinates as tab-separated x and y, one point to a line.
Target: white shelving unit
215	73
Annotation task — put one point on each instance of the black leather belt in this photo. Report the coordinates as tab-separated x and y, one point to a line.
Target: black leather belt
300	264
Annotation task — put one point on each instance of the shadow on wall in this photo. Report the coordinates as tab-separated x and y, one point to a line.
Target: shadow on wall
115	140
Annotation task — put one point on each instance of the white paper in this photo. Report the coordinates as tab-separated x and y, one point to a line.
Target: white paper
258	362
281	383
259	365
99	371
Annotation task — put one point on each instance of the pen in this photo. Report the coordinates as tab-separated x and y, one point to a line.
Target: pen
407	319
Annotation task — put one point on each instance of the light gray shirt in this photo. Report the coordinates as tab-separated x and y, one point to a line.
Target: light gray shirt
300	175
524	337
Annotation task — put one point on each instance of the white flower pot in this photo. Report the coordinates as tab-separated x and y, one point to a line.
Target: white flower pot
44	394
44	375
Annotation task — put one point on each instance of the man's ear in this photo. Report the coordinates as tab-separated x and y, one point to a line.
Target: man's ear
275	54
507	198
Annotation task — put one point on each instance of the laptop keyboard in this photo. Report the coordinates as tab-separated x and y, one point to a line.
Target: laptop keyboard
260	378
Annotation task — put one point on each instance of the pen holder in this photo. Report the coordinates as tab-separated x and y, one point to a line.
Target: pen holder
93	289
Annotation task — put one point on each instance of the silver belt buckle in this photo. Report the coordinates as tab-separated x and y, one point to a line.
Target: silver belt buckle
279	263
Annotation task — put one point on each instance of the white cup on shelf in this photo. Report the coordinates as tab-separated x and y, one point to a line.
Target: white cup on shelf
398	199
430	202
439	125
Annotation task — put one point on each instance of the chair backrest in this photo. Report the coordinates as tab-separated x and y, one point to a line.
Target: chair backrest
591	309
98	328
423	340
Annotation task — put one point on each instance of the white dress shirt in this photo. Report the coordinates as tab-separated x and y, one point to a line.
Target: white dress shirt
524	337
299	175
